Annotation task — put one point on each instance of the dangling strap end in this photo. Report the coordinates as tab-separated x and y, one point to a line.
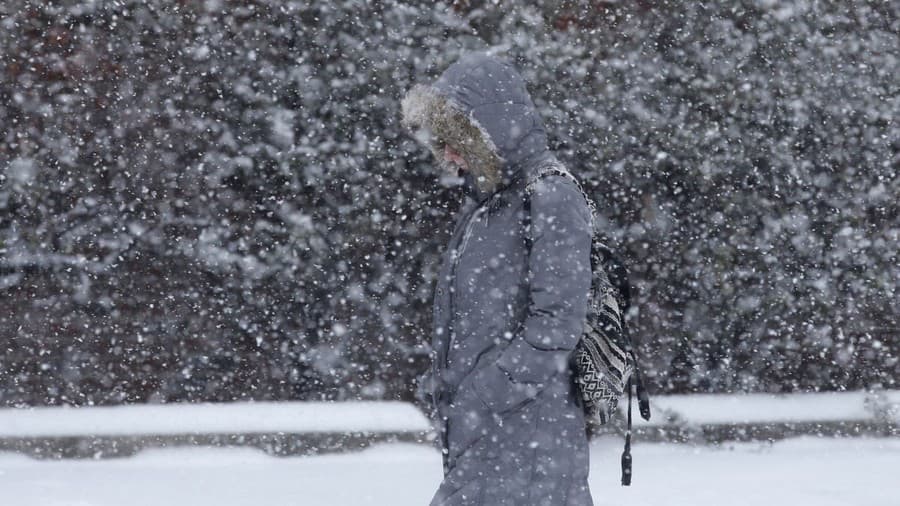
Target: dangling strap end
643	396
626	455
643	401
626	462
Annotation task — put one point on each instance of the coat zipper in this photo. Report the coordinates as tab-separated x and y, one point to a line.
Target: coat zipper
456	257
441	356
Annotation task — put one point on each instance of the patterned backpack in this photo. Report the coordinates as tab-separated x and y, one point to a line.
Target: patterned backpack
604	362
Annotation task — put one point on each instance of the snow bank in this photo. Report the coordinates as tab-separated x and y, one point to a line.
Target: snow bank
729	409
376	417
231	418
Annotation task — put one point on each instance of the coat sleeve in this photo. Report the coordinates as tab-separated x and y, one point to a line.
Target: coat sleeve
560	276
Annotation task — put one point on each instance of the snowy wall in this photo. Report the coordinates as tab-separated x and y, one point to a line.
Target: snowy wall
213	200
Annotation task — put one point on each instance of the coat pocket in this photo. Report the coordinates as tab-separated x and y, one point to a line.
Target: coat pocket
500	393
468	420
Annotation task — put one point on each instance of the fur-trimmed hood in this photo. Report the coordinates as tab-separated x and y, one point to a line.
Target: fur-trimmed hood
481	108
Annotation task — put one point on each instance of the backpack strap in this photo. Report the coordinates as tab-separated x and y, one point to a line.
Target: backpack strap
555	167
618	273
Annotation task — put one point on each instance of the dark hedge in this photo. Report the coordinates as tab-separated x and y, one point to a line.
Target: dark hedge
214	200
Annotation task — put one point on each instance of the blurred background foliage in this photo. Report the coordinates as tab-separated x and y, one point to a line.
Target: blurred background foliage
214	200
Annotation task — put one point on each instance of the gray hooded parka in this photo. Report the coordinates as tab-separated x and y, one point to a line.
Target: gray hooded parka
506	320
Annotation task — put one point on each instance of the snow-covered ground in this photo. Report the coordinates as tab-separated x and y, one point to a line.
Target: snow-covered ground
804	471
797	472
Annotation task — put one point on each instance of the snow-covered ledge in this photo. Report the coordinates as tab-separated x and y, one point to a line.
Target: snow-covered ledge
745	409
368	417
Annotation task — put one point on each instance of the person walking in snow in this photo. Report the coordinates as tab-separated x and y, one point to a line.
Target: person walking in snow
506	317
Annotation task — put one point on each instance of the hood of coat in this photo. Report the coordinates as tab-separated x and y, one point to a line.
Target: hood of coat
481	108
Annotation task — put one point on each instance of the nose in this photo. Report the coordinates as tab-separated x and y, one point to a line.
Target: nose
453	156
448	153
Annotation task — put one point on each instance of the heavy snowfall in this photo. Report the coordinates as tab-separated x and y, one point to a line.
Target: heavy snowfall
209	204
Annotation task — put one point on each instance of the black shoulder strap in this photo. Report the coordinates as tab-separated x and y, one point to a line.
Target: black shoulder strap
617	273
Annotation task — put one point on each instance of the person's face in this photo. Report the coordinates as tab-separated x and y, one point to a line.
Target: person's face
454	162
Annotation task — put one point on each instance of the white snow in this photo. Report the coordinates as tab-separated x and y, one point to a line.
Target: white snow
231	418
803	471
391	416
798	472
718	409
